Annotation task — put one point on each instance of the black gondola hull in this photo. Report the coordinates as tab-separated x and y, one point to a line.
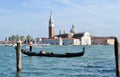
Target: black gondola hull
53	54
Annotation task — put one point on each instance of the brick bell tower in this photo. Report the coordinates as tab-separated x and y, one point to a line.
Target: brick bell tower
51	26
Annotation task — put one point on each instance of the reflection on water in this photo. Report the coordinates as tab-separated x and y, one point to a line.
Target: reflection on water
18	74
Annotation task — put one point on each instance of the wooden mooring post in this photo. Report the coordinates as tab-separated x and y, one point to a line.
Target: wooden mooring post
18	57
116	49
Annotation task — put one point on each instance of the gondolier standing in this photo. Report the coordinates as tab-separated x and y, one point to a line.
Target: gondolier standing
30	44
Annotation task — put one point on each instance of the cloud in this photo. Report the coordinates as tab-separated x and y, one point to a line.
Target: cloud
65	6
87	15
40	4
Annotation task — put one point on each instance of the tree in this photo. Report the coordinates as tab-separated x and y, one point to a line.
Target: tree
10	38
13	38
6	39
28	38
22	38
17	38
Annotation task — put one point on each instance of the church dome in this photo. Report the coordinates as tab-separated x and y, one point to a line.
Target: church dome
86	34
73	29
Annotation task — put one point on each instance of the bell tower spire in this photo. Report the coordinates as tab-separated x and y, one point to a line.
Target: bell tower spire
51	26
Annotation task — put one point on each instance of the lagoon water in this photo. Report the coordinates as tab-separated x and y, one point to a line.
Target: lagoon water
98	61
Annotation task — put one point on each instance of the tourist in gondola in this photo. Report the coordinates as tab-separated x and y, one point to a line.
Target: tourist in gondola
42	51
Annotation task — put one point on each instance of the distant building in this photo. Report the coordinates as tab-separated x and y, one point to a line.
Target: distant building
102	40
86	39
61	41
73	37
110	41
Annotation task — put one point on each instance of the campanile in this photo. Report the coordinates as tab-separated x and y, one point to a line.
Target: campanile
51	27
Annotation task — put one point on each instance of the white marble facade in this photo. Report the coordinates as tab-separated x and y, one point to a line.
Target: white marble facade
86	39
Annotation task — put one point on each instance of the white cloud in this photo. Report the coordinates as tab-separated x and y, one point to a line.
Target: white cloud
62	5
40	4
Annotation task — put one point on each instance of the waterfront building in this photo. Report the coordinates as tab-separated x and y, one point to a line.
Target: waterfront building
61	41
96	40
73	37
86	39
110	41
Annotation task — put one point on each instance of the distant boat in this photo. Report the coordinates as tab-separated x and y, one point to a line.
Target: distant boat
8	44
13	45
49	54
39	45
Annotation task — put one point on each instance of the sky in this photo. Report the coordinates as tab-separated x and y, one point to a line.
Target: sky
30	17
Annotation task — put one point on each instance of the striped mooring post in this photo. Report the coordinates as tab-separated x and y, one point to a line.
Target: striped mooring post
18	57
116	49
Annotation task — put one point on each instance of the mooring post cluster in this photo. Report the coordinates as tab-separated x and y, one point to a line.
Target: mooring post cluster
18	57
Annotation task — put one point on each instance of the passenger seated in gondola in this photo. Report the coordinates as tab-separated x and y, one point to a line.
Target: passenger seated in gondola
65	53
43	52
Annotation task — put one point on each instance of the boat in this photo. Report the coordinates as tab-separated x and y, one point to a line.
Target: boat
50	54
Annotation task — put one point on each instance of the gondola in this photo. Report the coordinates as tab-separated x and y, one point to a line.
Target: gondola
49	54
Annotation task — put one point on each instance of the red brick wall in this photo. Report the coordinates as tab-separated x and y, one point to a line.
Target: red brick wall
51	31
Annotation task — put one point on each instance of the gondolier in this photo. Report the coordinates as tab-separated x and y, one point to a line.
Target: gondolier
30	44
